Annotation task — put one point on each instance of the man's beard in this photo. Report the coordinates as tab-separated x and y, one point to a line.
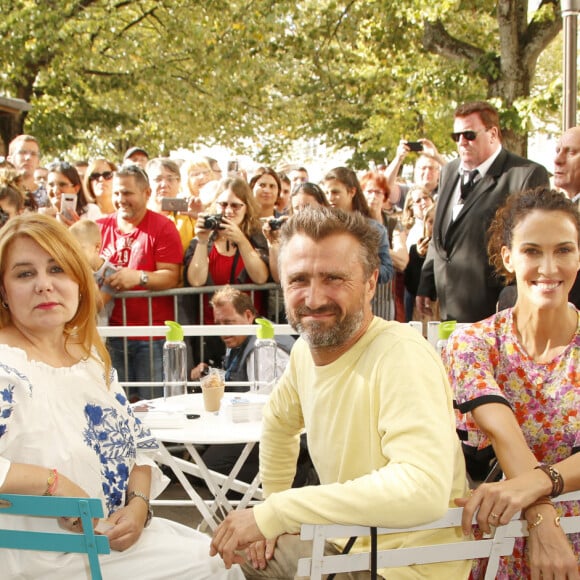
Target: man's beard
317	334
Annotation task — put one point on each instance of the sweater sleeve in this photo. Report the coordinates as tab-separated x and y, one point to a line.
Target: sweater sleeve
416	467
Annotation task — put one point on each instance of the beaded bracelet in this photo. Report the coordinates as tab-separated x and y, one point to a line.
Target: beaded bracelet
555	477
51	482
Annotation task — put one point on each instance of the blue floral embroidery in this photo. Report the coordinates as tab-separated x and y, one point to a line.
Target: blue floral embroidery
12	371
145	440
6	407
109	434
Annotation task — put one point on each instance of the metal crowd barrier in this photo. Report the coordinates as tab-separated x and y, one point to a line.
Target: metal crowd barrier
188	311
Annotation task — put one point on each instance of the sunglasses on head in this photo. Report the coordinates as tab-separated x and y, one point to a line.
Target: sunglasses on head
106	175
469	135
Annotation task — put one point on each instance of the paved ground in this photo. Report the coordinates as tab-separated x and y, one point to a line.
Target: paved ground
186	515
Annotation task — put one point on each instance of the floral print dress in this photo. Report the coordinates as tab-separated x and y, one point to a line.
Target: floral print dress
487	364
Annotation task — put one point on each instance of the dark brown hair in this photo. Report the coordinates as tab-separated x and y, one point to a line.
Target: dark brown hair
517	207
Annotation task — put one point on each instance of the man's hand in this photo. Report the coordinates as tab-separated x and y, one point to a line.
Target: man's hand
197	371
236	532
124	279
260	552
423	304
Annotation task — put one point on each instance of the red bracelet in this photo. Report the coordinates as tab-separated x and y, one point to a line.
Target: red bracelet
51	482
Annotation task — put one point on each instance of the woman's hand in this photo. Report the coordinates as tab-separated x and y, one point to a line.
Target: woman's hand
494	503
200	232
549	552
194	207
128	525
423	246
232	232
68	488
273	235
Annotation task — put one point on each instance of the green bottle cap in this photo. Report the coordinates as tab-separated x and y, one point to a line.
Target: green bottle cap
265	328
446	328
175	332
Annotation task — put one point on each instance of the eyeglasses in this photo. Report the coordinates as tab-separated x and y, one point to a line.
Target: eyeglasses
235	205
469	135
106	175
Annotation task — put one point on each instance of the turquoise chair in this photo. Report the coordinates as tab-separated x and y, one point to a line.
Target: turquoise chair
50	506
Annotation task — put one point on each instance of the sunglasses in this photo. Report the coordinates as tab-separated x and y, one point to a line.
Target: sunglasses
236	206
106	175
469	135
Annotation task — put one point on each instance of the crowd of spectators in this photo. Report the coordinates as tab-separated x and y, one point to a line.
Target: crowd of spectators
227	219
448	243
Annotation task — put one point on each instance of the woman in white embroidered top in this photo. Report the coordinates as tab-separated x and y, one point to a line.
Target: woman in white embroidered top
65	425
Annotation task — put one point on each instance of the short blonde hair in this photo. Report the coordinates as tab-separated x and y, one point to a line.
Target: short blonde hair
86	232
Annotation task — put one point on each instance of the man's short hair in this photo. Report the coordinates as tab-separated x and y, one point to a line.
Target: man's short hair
134	170
238	299
17	142
321	222
487	113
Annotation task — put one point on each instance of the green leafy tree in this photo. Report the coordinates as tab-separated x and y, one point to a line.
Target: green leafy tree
256	75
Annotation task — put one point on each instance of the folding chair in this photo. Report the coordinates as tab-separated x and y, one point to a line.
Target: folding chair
500	544
50	506
319	564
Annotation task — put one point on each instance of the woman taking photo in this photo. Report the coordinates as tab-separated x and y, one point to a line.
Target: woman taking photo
63	178
65	425
165	179
515	377
229	247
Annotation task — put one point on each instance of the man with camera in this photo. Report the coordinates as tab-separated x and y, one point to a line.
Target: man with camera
425	174
165	179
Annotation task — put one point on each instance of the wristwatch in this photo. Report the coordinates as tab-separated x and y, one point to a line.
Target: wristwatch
144	278
142	496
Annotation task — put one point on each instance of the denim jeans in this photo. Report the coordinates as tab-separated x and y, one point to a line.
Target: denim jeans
140	354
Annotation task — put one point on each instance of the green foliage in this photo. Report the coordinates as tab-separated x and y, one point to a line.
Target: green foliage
104	74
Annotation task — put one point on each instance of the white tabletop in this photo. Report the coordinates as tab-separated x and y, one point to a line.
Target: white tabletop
209	428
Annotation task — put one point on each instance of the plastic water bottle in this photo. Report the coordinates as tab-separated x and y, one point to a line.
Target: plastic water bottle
265	368
446	328
174	361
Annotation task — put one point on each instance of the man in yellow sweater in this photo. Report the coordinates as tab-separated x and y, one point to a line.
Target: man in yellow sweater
374	400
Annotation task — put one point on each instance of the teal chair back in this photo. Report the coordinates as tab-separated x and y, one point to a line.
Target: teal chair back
50	506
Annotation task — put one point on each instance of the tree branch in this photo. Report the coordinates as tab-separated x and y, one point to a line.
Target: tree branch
436	39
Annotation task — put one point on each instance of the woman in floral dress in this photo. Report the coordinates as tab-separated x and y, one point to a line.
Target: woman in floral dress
516	377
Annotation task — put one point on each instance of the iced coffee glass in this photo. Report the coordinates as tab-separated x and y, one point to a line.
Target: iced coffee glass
212	387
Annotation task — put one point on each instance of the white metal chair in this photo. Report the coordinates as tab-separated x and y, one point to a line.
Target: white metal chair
500	544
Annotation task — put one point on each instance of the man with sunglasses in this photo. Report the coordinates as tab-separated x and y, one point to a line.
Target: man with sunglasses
456	270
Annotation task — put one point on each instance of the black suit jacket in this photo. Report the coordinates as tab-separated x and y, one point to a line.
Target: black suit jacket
456	269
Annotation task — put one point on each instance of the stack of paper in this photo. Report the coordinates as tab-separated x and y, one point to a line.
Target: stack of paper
244	409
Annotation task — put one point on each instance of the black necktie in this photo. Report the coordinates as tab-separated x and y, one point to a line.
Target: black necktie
467	185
